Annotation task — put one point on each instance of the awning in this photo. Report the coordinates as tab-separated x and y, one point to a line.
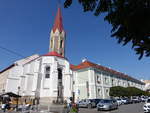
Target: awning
10	94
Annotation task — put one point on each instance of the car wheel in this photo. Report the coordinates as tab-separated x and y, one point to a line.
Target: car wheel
89	106
98	109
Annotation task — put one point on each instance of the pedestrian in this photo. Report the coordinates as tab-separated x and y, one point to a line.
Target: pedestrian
4	104
3	107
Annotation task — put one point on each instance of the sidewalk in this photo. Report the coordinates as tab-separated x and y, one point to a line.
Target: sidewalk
53	108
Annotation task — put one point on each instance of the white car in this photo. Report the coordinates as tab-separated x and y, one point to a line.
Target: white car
146	106
124	101
119	101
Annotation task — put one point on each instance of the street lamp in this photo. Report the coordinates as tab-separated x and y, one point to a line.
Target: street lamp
17	98
3	92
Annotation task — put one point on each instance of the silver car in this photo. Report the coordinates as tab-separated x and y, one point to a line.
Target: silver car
89	103
107	104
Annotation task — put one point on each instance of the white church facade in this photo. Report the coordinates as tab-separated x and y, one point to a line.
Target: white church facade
51	77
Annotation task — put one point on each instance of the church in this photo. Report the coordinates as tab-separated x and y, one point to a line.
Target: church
51	78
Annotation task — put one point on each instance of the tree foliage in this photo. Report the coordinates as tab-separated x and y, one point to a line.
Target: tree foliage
129	20
119	91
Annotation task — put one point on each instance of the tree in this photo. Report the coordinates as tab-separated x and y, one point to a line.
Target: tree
118	91
129	20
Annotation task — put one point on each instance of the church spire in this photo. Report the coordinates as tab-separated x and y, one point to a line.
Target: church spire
58	35
58	21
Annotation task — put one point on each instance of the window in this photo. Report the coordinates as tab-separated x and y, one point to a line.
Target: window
112	82
59	73
98	79
106	80
99	92
107	92
51	43
119	82
47	72
61	43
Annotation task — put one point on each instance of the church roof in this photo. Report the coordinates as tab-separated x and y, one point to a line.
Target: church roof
9	67
58	21
87	64
53	53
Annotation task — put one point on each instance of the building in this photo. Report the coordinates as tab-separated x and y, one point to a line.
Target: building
147	85
94	81
10	76
52	78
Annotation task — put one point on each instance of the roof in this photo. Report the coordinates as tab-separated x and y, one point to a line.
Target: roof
58	21
72	66
53	53
146	81
87	64
12	65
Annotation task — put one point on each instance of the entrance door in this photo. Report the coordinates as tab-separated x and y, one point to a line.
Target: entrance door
60	86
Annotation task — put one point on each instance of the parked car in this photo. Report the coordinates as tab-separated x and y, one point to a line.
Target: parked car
96	101
135	100
107	104
119	101
144	98
89	103
146	106
129	101
124	101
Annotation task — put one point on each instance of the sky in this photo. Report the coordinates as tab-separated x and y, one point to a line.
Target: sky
25	27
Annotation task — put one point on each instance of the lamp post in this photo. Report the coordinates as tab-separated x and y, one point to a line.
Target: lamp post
3	92
17	98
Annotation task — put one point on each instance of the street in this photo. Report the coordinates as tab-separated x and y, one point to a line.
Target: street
130	108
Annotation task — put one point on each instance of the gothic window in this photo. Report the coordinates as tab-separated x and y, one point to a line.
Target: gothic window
51	43
59	73
47	72
61	43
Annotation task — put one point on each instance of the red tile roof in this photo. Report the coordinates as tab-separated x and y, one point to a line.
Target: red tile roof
53	53
72	66
58	21
88	64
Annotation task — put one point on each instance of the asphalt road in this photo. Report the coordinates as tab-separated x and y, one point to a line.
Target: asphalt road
130	108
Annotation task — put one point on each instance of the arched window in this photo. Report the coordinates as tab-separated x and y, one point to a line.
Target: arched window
47	72
61	43
59	73
51	43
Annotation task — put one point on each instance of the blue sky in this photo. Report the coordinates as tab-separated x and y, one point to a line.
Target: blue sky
25	26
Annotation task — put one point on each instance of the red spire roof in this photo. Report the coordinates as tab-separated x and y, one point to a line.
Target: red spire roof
53	53
58	21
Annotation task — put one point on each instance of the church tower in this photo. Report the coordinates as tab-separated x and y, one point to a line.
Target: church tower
57	35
